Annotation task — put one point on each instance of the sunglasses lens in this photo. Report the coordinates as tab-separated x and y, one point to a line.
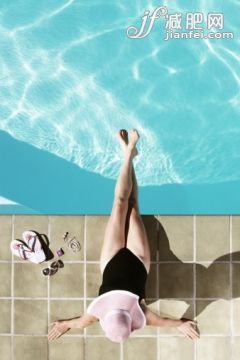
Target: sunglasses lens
54	265
60	264
46	271
53	271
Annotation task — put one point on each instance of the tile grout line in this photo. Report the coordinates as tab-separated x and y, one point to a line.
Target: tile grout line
85	284
48	292
231	286
153	262
158	287
91	299
194	279
121	351
12	294
133	337
121	354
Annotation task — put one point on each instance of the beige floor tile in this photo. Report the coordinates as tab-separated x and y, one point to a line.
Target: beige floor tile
213	281
29	281
146	330
68	281
151	225
22	223
212	238
5	237
95	229
94	280
29	348
95	329
209	348
5	348
5	284
236	238
75	226
179	232
236	280
5	316
176	280
235	347
140	348
66	348
176	348
213	316
101	349
66	309
236	316
30	317
174	309
151	289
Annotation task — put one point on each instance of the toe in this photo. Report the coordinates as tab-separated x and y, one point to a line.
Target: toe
134	136
123	134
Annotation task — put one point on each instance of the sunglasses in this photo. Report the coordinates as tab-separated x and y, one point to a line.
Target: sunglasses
53	268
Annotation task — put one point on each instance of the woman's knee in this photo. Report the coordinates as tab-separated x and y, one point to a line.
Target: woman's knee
121	202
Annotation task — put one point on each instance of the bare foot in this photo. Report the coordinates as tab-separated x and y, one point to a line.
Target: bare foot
134	136
123	138
126	145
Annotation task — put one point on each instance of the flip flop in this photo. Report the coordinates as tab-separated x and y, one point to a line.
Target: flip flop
31	238
19	249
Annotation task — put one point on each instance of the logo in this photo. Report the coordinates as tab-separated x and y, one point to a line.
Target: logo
192	22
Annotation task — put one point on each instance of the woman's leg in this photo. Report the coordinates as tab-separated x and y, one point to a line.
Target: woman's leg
114	238
137	240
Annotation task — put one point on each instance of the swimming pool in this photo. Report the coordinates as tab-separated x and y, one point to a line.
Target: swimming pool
71	77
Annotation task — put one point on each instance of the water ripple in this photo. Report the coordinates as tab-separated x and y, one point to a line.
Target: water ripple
70	78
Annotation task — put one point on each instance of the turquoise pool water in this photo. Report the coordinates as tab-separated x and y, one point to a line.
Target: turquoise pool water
70	77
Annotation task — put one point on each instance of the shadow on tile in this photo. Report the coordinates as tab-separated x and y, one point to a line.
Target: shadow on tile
175	280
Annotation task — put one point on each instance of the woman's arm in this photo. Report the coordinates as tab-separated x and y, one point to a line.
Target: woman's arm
80	322
62	326
183	325
153	319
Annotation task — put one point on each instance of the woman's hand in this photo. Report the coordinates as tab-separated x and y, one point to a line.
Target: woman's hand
59	328
187	328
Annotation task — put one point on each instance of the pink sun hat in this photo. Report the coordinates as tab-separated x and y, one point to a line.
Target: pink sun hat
119	314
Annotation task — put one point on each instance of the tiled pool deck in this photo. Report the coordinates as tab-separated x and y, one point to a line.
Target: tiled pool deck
195	273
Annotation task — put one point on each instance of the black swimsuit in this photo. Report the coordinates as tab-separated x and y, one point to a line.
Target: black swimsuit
125	271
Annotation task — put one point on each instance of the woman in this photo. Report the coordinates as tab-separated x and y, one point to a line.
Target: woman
125	261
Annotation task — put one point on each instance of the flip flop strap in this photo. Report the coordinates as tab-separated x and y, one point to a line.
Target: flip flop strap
22	252
35	245
32	246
